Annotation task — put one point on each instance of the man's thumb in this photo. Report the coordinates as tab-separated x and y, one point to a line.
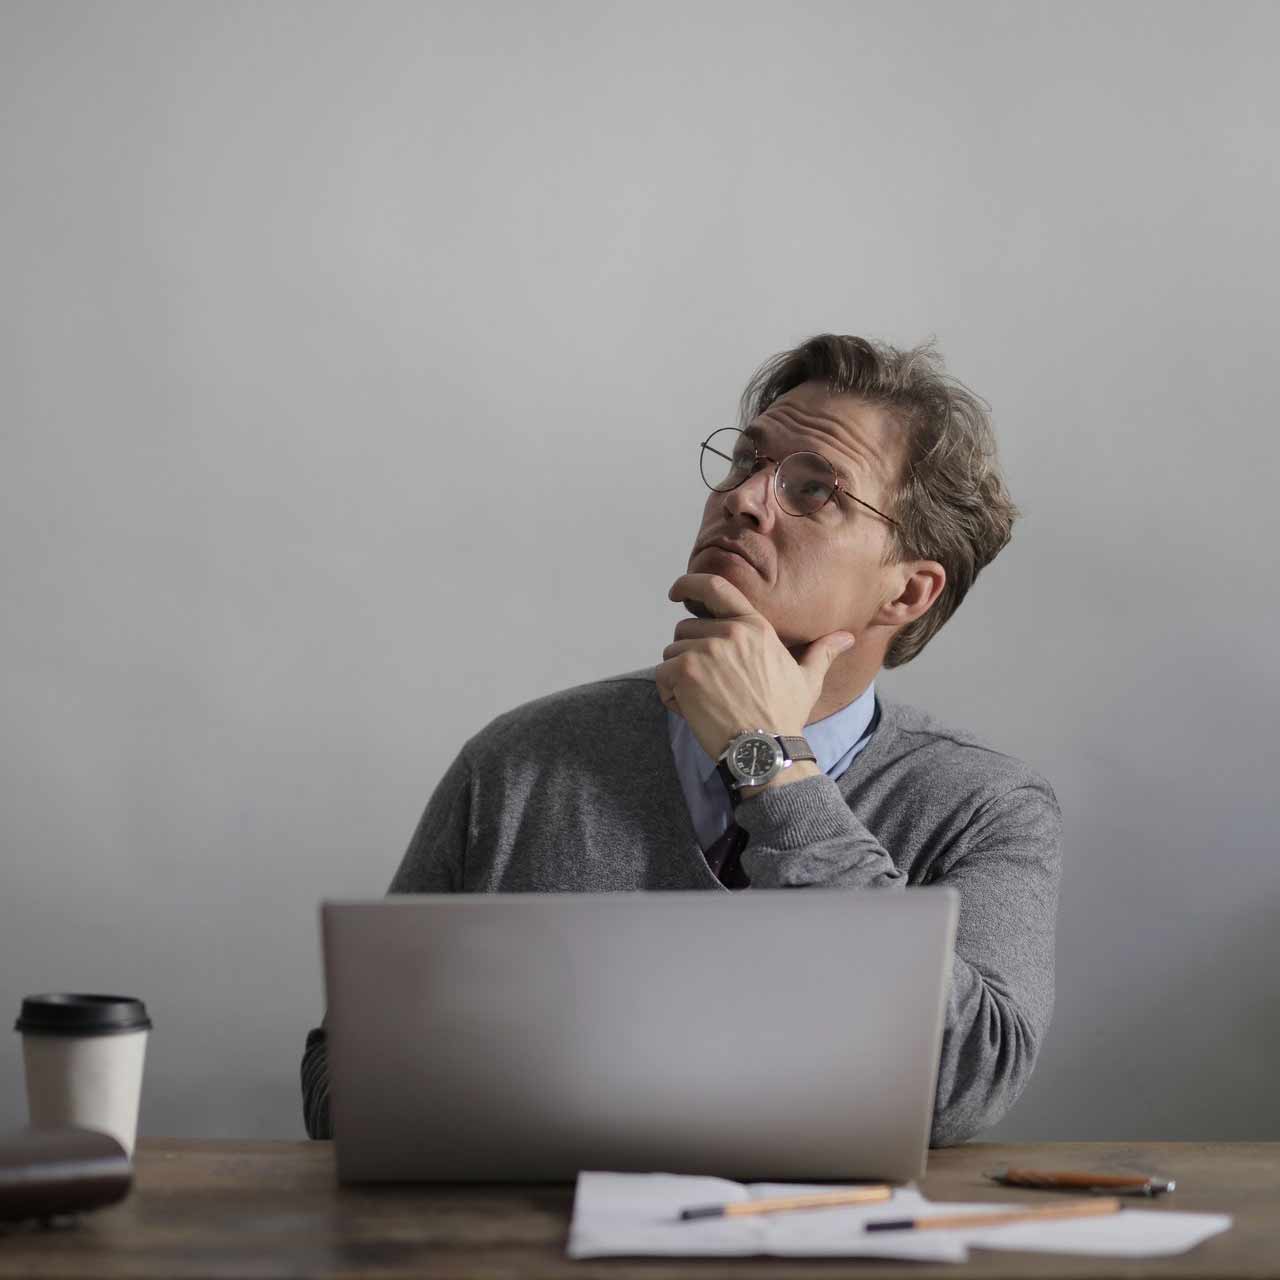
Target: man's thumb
822	653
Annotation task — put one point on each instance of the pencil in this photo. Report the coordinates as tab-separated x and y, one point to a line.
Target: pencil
810	1200
1077	1209
1143	1184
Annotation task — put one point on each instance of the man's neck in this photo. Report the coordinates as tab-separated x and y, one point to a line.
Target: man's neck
847	679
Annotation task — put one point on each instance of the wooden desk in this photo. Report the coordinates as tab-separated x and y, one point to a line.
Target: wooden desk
231	1208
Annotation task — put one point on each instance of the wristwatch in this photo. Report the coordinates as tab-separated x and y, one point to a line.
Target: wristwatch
756	756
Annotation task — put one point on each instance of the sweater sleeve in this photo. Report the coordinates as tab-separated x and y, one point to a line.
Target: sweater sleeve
315	1083
1007	865
433	863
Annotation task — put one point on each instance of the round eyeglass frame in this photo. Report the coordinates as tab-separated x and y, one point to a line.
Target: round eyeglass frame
837	483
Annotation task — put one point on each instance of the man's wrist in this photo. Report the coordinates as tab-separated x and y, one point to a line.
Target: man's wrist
795	772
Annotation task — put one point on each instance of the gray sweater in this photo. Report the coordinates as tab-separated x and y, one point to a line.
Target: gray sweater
578	792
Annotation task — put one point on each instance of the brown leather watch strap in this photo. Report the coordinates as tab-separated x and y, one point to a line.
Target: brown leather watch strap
797	748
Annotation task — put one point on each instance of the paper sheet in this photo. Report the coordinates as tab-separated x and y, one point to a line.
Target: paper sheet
637	1215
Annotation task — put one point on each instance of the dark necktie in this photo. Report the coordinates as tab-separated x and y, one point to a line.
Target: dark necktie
725	857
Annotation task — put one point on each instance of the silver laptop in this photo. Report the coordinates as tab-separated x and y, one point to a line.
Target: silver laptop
769	1035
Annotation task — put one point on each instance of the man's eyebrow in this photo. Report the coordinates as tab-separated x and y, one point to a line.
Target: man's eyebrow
758	433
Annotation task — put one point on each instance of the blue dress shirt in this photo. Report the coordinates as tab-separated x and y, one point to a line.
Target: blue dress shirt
835	740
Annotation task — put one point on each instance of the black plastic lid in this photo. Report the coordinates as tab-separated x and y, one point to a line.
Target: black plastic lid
82	1015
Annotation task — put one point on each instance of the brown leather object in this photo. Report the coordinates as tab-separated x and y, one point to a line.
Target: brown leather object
48	1172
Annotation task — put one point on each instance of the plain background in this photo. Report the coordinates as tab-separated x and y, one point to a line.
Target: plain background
354	362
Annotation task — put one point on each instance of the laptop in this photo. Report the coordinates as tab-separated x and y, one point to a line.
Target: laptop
769	1035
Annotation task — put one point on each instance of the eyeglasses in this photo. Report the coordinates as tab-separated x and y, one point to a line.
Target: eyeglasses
803	483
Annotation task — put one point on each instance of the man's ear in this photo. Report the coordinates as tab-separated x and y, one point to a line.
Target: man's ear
921	584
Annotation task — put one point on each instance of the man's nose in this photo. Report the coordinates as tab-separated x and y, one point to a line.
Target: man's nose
754	496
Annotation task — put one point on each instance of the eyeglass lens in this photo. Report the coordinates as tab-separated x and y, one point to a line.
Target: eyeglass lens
805	480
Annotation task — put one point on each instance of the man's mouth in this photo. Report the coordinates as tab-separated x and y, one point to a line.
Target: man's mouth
726	552
728	548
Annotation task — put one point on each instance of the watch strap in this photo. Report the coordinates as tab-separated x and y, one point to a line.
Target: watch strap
796	748
730	782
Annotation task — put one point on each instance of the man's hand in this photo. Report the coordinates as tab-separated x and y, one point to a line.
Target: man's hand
729	671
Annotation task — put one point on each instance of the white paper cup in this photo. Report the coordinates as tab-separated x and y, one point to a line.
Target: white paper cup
83	1056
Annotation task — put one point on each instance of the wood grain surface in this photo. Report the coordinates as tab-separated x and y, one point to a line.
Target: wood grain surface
240	1208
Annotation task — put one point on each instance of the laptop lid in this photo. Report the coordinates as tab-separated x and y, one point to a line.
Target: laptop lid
767	1035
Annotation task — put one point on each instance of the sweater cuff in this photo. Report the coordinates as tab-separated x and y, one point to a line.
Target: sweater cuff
796	816
806	834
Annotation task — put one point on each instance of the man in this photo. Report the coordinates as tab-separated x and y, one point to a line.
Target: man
840	531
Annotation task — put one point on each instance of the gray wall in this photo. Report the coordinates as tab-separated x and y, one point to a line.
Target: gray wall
353	364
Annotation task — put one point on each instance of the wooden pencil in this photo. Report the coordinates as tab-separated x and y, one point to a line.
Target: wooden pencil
1076	1209
776	1204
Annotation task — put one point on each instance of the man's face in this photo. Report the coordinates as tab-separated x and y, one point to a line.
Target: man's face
820	573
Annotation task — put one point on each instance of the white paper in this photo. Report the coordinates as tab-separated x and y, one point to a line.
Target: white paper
638	1214
1131	1233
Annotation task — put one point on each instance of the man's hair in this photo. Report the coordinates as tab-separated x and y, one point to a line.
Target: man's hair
949	499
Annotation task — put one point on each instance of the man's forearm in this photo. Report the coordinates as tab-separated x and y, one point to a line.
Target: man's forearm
805	834
1005	865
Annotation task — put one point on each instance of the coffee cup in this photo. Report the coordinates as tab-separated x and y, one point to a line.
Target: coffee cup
83	1056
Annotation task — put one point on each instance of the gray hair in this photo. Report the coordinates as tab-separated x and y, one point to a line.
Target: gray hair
950	499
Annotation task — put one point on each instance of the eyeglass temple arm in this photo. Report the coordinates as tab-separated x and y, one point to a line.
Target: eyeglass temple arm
868	505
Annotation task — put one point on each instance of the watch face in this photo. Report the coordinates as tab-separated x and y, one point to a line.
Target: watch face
755	757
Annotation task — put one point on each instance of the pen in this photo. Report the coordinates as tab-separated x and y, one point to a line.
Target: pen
1079	1209
810	1200
1140	1184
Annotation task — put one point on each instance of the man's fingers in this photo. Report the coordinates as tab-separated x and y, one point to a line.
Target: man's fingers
676	648
667	694
699	628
